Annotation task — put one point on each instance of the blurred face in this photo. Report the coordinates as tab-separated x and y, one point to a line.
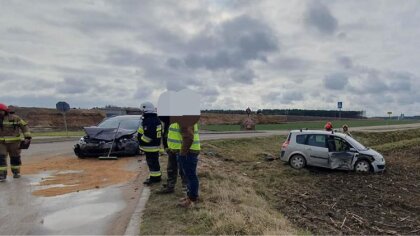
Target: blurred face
345	128
2	113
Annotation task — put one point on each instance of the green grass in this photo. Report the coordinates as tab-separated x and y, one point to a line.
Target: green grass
58	133
310	125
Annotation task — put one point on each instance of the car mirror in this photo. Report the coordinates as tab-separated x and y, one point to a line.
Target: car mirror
352	149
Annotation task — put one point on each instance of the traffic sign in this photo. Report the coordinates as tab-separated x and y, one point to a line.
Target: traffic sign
389	112
62	106
340	105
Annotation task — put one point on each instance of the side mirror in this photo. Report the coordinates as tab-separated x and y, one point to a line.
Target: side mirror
352	149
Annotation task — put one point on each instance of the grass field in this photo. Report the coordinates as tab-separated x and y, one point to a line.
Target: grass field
310	125
242	193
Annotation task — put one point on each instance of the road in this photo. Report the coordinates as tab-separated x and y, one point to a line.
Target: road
97	211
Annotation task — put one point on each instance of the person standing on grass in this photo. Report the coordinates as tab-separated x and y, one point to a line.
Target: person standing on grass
346	130
173	165
187	139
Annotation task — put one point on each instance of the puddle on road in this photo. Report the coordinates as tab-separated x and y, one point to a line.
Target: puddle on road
80	215
66	174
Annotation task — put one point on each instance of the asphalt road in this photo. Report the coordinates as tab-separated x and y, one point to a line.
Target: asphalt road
98	211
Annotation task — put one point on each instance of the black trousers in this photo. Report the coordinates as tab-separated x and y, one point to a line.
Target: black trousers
173	170
152	159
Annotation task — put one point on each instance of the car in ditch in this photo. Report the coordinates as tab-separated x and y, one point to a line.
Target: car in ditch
99	139
331	150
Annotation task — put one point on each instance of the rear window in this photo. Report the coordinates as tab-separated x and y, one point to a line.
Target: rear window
300	138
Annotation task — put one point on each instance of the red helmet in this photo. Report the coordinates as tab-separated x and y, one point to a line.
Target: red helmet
3	107
328	126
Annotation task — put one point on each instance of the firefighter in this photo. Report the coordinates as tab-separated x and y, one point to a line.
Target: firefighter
328	126
11	127
187	140
149	135
346	130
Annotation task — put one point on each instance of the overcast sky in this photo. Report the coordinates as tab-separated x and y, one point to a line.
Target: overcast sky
262	54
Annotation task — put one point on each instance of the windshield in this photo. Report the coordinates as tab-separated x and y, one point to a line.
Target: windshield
356	144
131	123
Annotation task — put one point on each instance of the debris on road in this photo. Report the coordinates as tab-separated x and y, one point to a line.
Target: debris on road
67	174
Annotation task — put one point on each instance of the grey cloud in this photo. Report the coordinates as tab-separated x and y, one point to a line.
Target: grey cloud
345	61
286	97
74	86
243	76
174	63
128	57
319	17
142	93
336	81
291	63
401	81
16	62
232	44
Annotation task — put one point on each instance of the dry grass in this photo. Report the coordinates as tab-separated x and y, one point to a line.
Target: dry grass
240	190
230	203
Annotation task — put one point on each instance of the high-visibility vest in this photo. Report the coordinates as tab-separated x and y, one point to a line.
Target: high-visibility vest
175	138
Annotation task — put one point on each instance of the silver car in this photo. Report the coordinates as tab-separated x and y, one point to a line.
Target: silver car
330	150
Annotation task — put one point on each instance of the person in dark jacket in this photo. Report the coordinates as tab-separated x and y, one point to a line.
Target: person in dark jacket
150	135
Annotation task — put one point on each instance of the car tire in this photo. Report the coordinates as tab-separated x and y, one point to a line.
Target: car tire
362	166
297	161
81	156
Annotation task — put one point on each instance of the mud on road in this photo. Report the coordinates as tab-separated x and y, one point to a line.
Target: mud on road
334	202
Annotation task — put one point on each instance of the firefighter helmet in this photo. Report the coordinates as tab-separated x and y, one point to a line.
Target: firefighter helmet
3	107
147	107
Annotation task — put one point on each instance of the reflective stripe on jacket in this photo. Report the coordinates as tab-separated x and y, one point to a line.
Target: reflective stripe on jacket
11	128
150	133
175	138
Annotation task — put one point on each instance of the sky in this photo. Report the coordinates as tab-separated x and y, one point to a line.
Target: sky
304	54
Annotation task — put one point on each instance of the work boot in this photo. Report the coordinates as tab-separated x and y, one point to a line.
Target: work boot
3	176
151	181
16	173
188	203
165	190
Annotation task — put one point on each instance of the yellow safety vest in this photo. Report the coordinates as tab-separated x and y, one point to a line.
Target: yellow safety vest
175	138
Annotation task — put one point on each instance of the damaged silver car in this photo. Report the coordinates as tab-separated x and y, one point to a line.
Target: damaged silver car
330	150
99	139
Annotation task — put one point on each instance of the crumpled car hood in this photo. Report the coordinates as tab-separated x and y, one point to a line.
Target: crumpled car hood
106	134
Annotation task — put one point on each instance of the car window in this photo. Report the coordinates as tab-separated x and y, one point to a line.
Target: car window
300	138
356	144
341	145
131	124
317	140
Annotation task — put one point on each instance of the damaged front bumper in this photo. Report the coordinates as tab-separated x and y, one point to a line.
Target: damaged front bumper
93	148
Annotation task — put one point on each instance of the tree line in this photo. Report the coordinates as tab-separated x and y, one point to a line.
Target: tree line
294	112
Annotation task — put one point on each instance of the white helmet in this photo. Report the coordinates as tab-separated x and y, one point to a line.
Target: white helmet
147	107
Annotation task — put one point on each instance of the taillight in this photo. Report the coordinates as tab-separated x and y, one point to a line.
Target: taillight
285	144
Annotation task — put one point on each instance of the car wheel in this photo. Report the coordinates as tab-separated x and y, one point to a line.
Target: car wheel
297	161
362	166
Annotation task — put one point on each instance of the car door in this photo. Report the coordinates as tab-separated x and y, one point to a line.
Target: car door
316	150
339	153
